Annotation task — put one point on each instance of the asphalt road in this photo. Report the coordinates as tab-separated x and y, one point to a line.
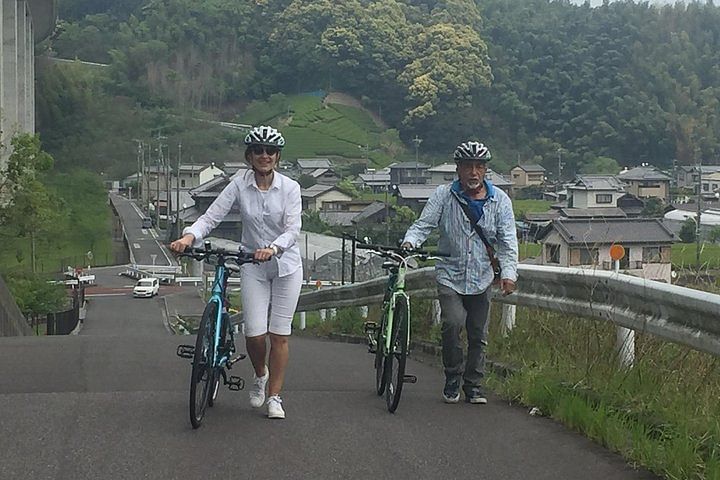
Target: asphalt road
112	403
143	243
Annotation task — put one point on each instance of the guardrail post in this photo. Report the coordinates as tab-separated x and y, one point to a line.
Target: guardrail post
323	314
302	320
333	313
435	312
508	319
625	339
364	310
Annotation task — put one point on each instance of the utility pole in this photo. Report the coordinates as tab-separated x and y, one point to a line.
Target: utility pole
560	164
177	191
417	141
699	212
387	215
137	177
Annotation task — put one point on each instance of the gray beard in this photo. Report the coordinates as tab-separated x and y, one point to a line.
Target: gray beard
474	184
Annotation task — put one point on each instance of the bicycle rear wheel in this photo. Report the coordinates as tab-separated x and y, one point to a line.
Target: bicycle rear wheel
203	377
395	360
380	357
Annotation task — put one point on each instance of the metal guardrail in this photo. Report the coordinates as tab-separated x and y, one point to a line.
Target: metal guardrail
678	314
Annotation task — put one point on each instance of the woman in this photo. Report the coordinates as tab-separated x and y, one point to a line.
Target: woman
270	207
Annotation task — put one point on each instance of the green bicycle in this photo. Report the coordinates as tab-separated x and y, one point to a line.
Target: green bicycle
390	340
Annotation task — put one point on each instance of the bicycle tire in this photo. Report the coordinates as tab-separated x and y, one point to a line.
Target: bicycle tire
380	357
397	356
217	374
203	374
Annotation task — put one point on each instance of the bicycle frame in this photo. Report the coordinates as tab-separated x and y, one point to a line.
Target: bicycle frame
217	296
396	289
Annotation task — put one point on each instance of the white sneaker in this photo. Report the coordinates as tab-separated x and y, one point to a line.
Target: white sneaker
275	409
257	391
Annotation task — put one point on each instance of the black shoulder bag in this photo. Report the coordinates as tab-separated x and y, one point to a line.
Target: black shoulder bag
494	262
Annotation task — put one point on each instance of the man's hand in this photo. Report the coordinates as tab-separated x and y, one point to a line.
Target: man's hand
507	286
182	243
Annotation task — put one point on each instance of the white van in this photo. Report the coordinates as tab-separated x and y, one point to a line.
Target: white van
146	287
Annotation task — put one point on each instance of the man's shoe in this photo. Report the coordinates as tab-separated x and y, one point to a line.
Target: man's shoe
257	391
275	409
475	395
451	392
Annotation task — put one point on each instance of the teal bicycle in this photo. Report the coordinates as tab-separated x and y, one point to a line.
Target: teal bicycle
214	351
390	339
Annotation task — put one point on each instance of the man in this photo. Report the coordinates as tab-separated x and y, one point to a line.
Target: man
464	278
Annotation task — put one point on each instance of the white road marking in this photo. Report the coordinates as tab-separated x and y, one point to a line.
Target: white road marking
136	245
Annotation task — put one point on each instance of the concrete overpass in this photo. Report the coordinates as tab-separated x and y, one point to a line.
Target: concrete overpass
23	24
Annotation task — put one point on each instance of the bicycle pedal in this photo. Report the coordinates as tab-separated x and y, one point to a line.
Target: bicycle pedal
370	327
186	351
235	383
409	378
234	359
372	349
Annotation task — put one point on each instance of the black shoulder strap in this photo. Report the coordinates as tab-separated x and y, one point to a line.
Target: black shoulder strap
473	222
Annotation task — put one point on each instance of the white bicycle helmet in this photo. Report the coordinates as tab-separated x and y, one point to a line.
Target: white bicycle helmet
265	135
472	151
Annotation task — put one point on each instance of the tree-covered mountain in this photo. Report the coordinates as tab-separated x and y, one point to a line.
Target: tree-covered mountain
622	82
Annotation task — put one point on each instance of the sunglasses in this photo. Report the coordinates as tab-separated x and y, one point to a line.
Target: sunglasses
260	149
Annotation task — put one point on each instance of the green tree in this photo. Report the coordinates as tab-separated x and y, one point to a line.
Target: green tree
654	207
36	296
346	186
687	231
714	235
306	181
30	210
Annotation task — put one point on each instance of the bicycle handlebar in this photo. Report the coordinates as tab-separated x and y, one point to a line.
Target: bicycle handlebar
202	254
403	252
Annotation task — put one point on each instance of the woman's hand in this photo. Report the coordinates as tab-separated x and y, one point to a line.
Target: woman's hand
182	243
264	254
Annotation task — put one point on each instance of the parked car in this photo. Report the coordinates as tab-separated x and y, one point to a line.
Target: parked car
146	287
147	222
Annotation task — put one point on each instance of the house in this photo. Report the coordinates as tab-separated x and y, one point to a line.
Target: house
408	173
589	191
414	196
687	175
307	165
370	213
527	175
231	168
315	196
192	176
710	184
499	181
376	181
631	205
325	176
586	243
203	195
646	181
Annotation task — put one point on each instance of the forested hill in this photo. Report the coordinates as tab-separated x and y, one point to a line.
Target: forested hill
621	83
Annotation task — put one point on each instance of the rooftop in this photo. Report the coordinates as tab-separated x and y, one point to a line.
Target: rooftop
598	182
644	173
595	232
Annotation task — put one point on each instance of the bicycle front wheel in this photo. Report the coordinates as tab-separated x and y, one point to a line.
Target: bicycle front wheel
203	377
396	357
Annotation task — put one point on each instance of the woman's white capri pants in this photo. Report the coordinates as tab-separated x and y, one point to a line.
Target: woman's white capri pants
268	301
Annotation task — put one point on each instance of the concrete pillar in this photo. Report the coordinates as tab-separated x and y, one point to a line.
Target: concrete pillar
364	310
9	101
323	314
22	85
29	73
303	322
333	313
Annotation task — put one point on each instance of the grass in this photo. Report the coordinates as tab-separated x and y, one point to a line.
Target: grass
684	255
526	206
316	130
663	414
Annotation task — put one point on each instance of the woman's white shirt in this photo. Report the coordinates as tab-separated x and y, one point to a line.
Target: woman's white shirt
271	217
